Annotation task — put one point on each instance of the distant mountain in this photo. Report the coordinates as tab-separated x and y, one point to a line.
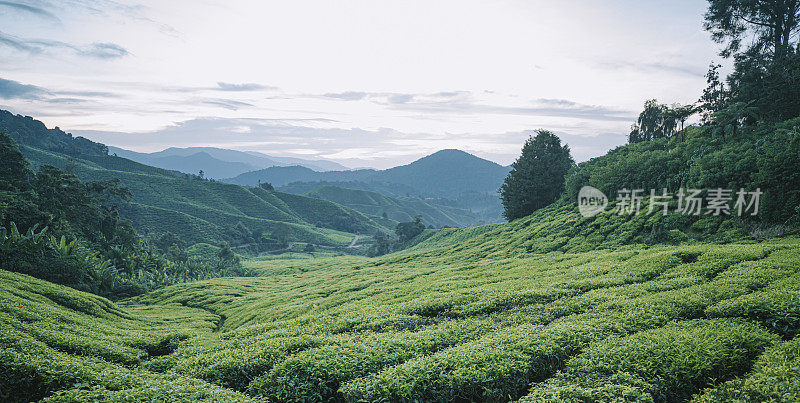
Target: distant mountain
217	162
317	165
193	163
387	189
281	176
466	181
447	173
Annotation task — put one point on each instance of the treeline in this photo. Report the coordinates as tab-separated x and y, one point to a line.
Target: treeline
55	227
761	37
27	130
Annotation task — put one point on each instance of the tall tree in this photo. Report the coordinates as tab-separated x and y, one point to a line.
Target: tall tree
537	176
770	23
766	68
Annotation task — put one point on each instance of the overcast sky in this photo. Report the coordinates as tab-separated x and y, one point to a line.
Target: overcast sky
365	83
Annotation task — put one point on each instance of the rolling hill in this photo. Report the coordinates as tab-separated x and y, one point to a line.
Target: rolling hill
469	315
197	210
402	209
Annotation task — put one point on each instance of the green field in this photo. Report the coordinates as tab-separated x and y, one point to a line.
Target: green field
496	318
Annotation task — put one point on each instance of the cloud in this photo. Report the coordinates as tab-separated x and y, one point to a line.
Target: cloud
381	148
10	89
96	50
243	87
104	51
650	67
399	98
29	9
17	44
464	105
229	104
100	94
391	97
347	96
66	101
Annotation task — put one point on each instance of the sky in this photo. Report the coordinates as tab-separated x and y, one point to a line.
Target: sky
364	83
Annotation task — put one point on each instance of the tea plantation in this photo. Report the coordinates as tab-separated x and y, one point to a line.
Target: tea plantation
494	313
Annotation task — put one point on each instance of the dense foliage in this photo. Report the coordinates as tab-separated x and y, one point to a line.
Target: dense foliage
55	227
765	157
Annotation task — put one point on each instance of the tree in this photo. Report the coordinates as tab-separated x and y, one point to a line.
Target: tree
682	113
659	121
537	176
266	186
767	68
771	24
408	230
381	246
226	255
635	135
715	95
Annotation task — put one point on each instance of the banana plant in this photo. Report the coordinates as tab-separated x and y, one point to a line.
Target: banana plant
11	239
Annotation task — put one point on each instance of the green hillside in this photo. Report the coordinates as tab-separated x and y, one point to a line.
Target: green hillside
402	209
442	323
198	210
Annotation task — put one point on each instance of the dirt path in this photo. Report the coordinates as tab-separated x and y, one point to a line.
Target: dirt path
353	244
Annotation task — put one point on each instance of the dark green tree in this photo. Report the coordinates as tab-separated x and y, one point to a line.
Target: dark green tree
537	176
769	24
762	37
381	246
408	230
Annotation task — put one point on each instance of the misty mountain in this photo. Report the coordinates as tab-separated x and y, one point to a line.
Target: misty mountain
446	173
448	178
218	162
